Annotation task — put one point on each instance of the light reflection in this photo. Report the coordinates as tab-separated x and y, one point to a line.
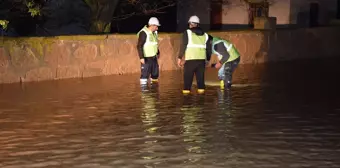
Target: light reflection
224	101
193	130
149	119
149	110
224	123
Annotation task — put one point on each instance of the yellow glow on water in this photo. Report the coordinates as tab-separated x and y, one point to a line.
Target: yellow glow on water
149	114
192	130
149	118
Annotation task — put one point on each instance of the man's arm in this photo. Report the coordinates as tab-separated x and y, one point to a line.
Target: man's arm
140	44
158	53
209	47
220	48
183	45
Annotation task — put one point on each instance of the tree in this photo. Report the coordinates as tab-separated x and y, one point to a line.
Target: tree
129	8
103	12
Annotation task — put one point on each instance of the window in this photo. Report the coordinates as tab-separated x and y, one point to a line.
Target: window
257	10
338	10
216	14
314	15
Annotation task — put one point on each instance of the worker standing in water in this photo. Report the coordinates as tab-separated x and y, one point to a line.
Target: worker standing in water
148	51
229	59
196	50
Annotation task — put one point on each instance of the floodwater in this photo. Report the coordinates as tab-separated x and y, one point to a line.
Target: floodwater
288	116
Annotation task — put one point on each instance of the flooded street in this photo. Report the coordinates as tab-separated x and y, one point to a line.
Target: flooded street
290	119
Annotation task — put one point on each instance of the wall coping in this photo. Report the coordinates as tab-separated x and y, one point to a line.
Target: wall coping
134	36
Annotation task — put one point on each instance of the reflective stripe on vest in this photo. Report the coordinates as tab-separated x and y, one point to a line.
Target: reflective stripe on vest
150	47
196	47
234	54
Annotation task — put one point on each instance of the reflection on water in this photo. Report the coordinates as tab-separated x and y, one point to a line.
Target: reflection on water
149	110
192	130
113	122
149	118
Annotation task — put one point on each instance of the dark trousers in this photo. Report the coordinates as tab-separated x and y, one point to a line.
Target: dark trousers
150	67
191	68
228	70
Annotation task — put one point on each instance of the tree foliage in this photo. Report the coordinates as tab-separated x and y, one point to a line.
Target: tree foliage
12	12
3	24
102	13
33	7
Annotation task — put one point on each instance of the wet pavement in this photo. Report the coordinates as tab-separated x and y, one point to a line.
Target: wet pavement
291	118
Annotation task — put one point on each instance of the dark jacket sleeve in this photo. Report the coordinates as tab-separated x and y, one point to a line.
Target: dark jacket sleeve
140	44
220	48
183	44
158	53
209	47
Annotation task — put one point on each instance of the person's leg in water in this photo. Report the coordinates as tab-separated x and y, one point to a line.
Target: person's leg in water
228	72
221	76
199	72
189	70
154	70
145	71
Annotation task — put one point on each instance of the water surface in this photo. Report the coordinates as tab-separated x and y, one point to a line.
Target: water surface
291	119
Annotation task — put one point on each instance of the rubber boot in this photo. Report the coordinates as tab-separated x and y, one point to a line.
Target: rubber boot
185	91
154	80
143	81
228	85
200	91
222	84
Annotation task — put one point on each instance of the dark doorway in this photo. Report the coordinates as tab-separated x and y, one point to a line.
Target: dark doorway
314	15
216	15
257	10
338	10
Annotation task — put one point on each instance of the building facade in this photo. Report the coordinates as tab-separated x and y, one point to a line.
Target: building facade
217	14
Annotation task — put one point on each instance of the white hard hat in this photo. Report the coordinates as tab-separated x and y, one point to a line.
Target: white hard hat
194	19
154	21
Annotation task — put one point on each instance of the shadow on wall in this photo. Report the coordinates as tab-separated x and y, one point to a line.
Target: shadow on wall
300	77
304	15
301	44
175	42
302	19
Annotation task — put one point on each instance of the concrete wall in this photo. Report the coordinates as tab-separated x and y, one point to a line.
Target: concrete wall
36	59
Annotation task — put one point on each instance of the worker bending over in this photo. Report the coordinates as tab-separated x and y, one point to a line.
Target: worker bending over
148	51
229	59
196	50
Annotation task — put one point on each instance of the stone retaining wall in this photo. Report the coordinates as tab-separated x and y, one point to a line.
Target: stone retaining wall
50	58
